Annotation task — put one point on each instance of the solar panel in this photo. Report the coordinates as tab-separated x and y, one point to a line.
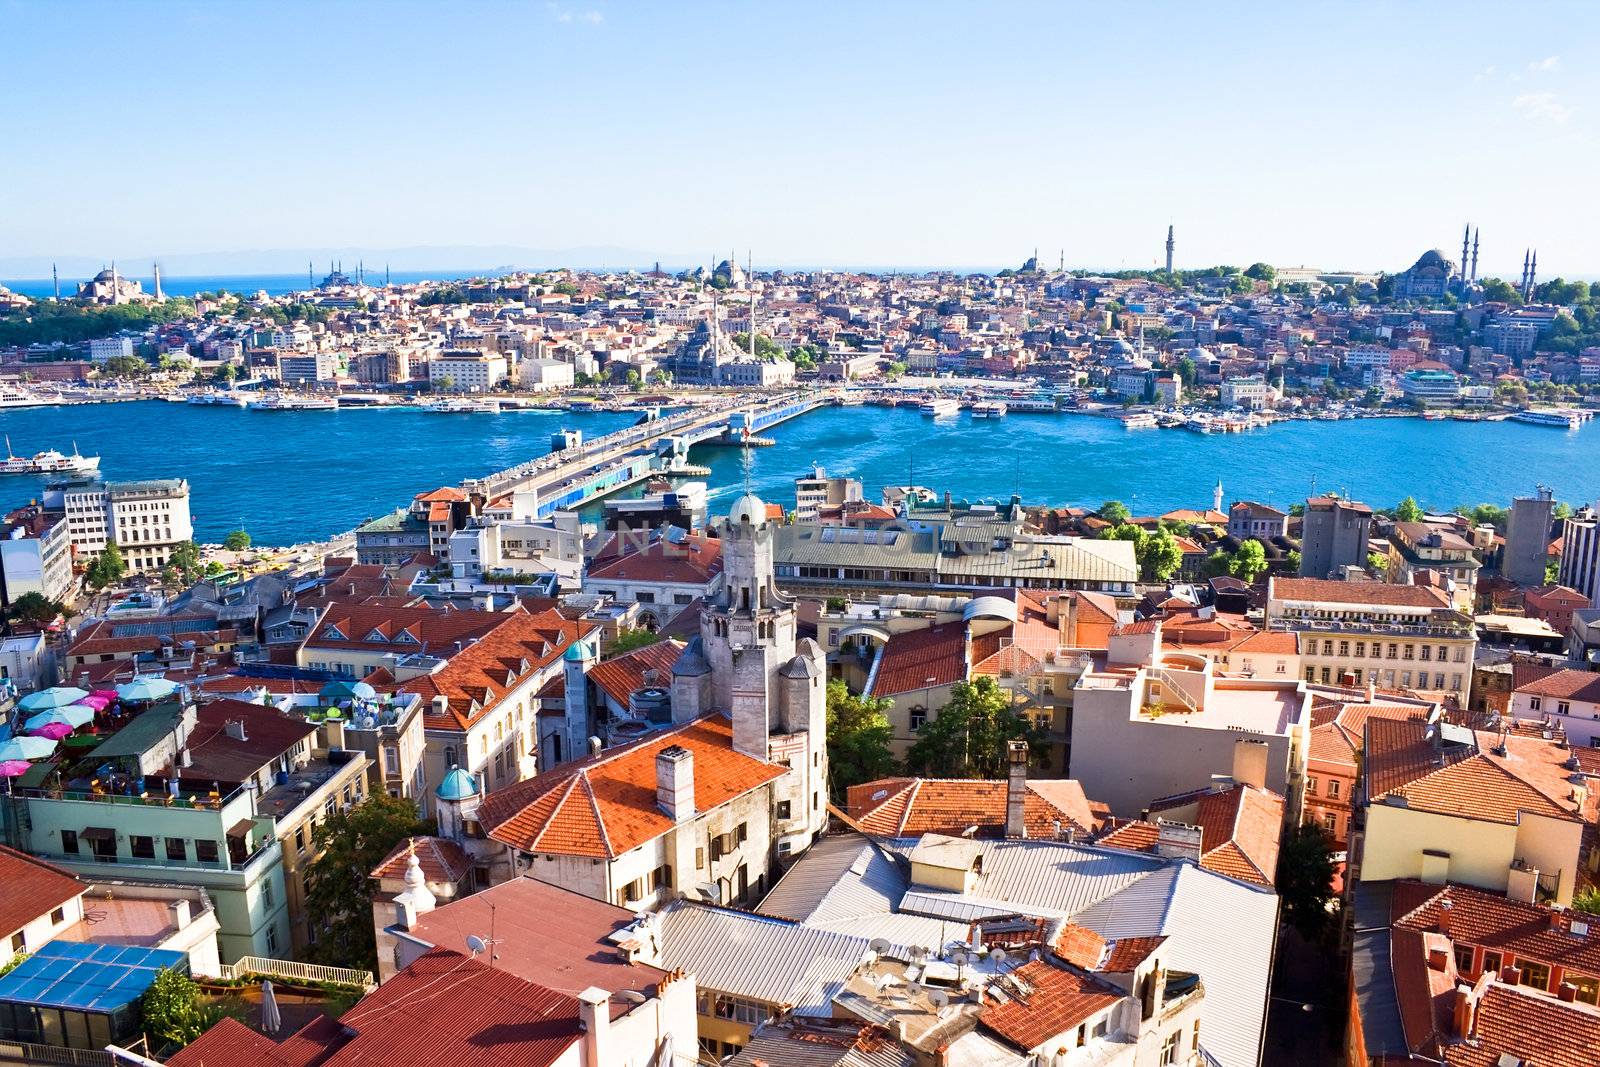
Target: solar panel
86	976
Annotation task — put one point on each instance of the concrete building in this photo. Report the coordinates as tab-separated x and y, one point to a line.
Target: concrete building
1528	538
1250	392
1334	534
307	368
1580	553
382	368
542	374
815	491
466	371
1423	553
146	520
1430	388
102	349
35	556
1567	699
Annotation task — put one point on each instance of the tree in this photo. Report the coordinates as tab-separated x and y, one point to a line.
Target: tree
106	569
172	1010
1159	556
1248	561
236	541
968	736
225	374
125	367
1408	510
858	739
1186	372
634	380
444	383
1587	900
896	369
348	845
1501	291
185	561
1292	560
34	609
1115	512
1377	563
1305	879
1261	272
632	639
1216	565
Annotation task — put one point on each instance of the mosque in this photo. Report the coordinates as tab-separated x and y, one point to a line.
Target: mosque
109	287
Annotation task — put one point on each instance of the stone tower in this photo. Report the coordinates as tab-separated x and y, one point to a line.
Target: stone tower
747	663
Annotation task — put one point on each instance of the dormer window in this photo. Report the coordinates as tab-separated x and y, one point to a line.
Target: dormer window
333	633
376	634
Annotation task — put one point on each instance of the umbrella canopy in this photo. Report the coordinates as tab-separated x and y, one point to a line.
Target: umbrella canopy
14	768
99	699
26	748
347	690
55	731
143	690
57	696
72	716
271	1017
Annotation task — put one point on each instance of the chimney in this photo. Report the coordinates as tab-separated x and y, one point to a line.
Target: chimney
1250	763
675	782
179	910
1444	917
1511	974
1463	1015
1555	921
1016	788
595	1012
234	728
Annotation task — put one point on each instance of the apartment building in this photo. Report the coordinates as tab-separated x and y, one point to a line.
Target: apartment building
815	491
35	555
1421	552
1334	534
461	370
146	520
1580	553
1390	636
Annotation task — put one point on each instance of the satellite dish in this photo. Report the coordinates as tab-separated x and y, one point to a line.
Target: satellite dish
958	958
632	996
477	944
880	945
938	998
919	953
998	956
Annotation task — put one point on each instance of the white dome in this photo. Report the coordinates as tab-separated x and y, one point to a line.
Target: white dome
748	509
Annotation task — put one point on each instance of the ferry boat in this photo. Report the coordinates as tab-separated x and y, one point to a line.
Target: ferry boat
462	406
1042	405
1140	421
231	400
48	462
1566	420
939	406
288	402
989	409
17	398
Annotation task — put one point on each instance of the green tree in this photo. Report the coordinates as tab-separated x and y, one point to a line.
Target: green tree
1115	512
631	639
348	845
1588	900
1159	556
1501	291
1293	559
1261	272
185	561
125	367
172	1009
1552	571
1216	565
1377	563
1408	510
106	569
34	609
968	736
1186	372
1486	515
1305	879
236	541
225	374
634	380
858	739
1248	561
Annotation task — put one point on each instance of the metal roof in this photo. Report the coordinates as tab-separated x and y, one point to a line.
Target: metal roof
87	977
841	877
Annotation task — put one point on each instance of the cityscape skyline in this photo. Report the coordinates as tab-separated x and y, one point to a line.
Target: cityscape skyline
1294	139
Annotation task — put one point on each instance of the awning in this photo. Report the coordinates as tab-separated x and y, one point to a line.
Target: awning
98	833
241	828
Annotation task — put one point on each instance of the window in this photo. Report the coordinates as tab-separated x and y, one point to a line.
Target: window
1333	787
69	842
1330	822
1361	650
1464	956
58	916
1536	975
272	939
1563	708
919	717
1344	648
17	943
1491	962
1534	703
783	810
143	848
205	851
300	838
699	859
1169	1048
1311	786
266	892
1588	988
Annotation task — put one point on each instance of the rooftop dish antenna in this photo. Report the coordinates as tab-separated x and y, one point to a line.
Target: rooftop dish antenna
879	945
938	998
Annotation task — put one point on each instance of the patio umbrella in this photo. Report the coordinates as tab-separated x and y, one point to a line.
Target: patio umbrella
72	716
26	748
346	690
55	731
271	1017
14	768
57	696
99	699
145	690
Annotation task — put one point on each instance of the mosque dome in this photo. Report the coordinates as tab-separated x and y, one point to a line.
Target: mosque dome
576	652
457	785
1431	261
105	276
748	509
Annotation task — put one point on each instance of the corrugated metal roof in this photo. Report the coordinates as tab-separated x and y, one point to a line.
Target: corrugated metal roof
838	878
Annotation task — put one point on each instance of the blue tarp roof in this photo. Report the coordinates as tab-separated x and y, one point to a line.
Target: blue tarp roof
87	977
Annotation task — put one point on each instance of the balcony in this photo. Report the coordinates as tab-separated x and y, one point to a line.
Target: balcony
1452	631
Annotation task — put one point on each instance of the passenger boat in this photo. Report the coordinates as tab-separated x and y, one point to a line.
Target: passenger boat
939	406
463	406
1566	420
1142	420
48	462
989	409
290	402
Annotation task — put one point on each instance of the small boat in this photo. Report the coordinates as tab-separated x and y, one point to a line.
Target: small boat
939	406
989	409
1141	421
1032	404
48	462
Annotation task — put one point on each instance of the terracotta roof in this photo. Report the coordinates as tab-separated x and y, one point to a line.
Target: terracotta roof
1058	1000
1080	946
907	807
1381	594
619	676
1528	931
1240	830
377	628
695	560
442	860
1565	685
605	805
32	888
1538	1031
1128	952
479	676
1402	761
921	659
1338	728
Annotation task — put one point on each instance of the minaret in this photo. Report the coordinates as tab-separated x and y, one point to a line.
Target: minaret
386	275
1216	497
1466	236
1522	284
1533	275
1474	276
156	270
311	276
1169	248
55	276
115	284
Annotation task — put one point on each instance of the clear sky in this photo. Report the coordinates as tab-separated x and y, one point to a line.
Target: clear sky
861	133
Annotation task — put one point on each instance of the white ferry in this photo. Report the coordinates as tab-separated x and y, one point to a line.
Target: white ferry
989	409
289	402
939	406
1036	404
1563	419
1141	421
462	406
220	399
48	462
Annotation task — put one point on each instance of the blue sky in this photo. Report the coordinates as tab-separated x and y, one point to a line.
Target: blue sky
1342	135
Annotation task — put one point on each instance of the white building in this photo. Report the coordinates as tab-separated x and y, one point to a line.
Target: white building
541	374
466	371
1251	392
104	348
35	556
1371	362
146	520
1569	699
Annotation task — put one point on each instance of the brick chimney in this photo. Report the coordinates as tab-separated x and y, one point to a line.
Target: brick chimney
1016	788
1464	1013
1444	917
675	782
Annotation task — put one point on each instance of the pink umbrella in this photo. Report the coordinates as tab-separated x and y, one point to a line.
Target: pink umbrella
55	731
99	700
14	768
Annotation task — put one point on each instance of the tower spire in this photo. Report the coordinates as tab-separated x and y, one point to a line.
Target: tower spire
155	268
1474	275
1169	248
55	277
1466	235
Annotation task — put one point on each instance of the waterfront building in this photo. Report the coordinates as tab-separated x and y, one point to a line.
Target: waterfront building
391	367
146	520
1422	553
306	368
116	346
425	527
1334	535
466	370
1528	539
1429	387
1580	553
1250	392
1371	362
538	375
36	556
815	491
1376	633
1247	519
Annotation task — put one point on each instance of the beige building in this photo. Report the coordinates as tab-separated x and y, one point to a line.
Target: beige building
146	520
1421	553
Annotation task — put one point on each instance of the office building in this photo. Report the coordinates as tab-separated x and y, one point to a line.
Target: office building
1580	553
1528	538
1334	534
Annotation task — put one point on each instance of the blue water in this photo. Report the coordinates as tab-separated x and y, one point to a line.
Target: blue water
274	284
299	476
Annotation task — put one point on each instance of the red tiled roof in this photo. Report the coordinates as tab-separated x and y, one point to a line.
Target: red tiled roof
1240	829
1128	952
620	676
1080	946
922	659
696	560
221	757
1538	1031
1565	685
377	628
907	807
441	860
605	805
1501	924
32	888
1377	593
1402	761
1060	1000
